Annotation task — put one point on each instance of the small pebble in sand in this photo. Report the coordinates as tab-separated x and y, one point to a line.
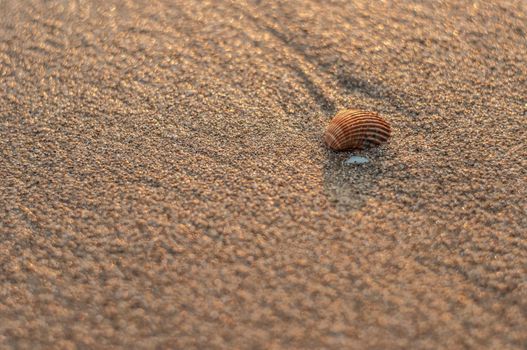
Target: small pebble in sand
356	129
356	160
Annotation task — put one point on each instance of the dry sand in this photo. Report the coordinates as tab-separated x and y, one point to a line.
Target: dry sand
164	183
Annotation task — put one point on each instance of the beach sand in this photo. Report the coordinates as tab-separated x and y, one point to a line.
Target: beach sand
164	183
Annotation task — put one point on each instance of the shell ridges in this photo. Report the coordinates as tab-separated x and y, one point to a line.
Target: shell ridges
356	129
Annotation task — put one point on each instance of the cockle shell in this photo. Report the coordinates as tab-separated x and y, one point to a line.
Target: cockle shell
356	129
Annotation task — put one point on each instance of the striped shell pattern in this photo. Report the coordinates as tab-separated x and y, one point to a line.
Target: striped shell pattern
356	129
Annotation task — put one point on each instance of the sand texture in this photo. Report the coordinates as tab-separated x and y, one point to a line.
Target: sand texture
164	183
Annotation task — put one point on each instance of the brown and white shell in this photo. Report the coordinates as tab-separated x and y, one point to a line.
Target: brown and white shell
356	129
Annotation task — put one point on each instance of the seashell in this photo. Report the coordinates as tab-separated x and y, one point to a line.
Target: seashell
356	129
